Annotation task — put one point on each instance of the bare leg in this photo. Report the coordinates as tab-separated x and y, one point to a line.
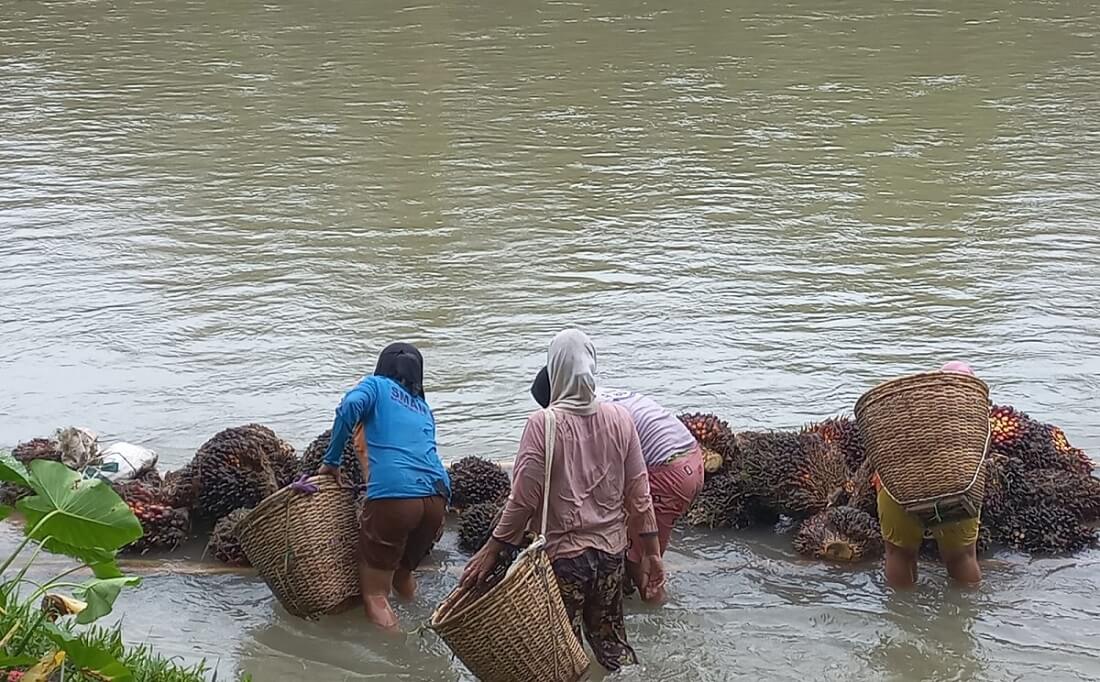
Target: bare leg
404	584
901	567
375	585
962	565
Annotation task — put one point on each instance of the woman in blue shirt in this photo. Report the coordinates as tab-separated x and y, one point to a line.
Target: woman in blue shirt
407	484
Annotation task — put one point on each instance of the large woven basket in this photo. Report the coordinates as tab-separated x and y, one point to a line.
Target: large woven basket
518	630
928	436
304	546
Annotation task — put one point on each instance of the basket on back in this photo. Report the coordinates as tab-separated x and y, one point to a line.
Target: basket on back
303	546
517	630
927	436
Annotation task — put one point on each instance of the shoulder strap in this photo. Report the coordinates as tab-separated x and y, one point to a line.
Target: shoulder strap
549	426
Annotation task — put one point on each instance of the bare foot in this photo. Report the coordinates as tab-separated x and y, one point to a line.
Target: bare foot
404	584
379	612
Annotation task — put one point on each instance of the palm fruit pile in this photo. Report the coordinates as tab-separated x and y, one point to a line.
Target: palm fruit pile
225	544
37	448
724	502
1040	493
233	470
475	525
716	438
843	433
314	456
477	481
839	534
163	527
796	474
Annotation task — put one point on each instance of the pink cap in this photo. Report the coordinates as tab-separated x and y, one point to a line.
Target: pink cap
958	367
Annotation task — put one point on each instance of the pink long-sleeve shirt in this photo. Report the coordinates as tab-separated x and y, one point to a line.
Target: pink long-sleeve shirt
598	484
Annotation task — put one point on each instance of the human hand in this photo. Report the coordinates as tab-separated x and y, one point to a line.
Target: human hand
653	575
329	470
303	485
481	565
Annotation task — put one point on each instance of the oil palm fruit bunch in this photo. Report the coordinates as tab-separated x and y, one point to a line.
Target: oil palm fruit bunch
1001	475
280	453
797	474
136	492
314	456
225	544
1043	527
1075	458
37	448
180	489
864	496
1042	446
162	527
234	470
843	432
10	493
151	478
1005	424
724	502
475	525
1076	493
476	481
713	434
839	534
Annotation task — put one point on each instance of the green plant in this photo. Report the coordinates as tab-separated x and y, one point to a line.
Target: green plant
81	519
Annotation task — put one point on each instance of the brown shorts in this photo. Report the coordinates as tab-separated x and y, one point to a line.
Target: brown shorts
399	533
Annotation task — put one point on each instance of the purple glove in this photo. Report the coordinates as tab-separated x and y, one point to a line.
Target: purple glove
303	486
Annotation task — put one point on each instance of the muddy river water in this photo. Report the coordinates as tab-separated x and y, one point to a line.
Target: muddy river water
215	212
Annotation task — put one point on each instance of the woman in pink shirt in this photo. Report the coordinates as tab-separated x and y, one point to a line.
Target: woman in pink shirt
599	497
673	458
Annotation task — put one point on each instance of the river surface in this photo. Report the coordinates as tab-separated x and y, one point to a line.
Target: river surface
218	211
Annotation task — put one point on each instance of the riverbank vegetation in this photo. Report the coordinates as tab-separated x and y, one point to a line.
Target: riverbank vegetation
48	628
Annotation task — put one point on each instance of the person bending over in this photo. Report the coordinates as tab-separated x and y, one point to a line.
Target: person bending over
407	487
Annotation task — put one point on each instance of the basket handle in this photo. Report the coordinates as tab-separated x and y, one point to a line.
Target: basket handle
550	426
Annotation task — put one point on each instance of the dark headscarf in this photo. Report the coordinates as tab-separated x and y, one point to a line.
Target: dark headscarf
540	389
403	363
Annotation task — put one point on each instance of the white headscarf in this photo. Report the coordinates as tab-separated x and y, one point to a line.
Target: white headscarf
571	364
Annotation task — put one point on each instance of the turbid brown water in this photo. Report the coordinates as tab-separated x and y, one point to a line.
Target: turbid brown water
218	212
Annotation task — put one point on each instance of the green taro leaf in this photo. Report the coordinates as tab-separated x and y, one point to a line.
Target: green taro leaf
90	659
5	511
12	471
85	513
22	661
100	596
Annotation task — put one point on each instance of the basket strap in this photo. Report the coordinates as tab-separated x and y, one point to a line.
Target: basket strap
550	426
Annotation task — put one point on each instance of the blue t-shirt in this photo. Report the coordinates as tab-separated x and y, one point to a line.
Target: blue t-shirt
400	432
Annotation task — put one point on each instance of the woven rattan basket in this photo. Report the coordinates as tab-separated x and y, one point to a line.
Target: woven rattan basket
517	631
927	436
304	546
